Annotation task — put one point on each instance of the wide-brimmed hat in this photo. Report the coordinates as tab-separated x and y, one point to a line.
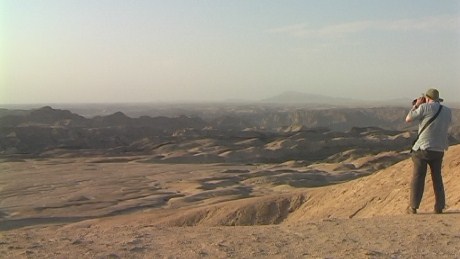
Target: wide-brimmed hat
433	94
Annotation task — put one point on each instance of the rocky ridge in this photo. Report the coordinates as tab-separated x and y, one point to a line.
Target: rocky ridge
305	136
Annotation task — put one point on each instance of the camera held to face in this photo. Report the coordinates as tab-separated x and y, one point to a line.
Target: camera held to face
422	100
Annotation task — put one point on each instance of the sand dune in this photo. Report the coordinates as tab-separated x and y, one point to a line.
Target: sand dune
130	208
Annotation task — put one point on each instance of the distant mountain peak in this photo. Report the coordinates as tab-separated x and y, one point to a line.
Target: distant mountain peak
301	97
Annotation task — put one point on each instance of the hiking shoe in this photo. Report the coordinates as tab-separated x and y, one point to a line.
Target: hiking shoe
437	211
411	210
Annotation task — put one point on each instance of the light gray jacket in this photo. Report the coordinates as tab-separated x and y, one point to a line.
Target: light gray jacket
435	136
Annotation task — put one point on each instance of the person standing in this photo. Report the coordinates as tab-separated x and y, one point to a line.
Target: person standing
429	148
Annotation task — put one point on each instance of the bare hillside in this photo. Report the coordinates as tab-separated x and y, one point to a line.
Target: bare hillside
381	194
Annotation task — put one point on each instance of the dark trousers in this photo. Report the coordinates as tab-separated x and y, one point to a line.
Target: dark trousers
421	159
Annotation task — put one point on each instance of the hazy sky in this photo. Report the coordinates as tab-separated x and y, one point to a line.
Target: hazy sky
148	51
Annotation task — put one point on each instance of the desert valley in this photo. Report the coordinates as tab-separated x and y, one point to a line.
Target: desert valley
218	181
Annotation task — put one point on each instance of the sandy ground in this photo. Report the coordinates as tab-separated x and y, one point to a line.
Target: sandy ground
128	208
420	236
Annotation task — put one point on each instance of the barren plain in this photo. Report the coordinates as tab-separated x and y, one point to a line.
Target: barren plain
203	191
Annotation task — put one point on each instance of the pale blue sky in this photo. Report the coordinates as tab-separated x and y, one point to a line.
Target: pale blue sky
64	51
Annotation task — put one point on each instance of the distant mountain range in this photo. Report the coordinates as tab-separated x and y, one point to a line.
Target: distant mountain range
299	97
293	97
228	135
